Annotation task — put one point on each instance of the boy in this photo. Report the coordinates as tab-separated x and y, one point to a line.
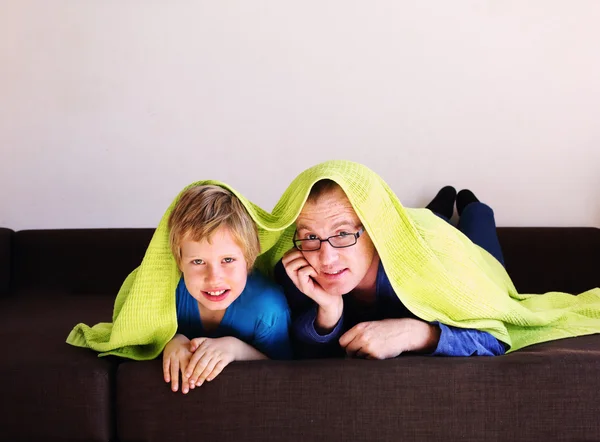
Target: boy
225	312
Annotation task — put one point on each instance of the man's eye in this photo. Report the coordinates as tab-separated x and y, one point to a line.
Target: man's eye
228	260
344	233
197	262
311	236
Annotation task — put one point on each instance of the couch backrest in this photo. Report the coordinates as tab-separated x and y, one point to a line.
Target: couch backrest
96	261
76	261
6	238
544	259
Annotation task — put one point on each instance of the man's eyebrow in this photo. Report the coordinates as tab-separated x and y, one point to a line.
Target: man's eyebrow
343	222
302	227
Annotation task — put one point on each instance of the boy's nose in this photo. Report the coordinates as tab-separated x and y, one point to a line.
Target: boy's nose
213	274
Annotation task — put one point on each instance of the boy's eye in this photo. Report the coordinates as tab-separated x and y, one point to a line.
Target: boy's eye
197	262
228	260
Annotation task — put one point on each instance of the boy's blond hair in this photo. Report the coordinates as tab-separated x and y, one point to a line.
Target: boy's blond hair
201	210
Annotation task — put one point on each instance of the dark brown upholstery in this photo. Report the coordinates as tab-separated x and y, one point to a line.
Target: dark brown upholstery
53	391
542	393
549	259
6	236
77	261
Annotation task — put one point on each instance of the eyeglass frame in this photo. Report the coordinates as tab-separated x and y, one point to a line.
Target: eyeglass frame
356	235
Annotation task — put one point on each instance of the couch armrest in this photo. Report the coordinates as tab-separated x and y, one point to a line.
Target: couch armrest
6	239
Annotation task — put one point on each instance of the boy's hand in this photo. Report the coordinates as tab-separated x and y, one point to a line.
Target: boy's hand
176	357
210	357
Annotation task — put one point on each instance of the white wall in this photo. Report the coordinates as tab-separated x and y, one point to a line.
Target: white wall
109	107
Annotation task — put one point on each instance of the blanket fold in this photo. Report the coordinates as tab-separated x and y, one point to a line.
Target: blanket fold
437	272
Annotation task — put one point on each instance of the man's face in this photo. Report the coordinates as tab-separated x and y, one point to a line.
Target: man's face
339	270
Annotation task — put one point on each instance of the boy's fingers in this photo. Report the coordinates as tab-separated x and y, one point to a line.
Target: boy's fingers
185	386
166	367
196	342
207	371
200	366
193	363
174	374
217	370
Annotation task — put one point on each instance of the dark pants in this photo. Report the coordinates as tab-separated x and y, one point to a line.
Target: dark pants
478	224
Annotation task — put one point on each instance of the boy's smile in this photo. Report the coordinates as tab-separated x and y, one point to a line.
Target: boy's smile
214	270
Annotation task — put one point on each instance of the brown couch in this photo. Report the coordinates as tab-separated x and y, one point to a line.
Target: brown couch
52	279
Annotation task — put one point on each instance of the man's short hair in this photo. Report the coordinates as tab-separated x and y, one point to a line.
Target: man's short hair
201	210
321	188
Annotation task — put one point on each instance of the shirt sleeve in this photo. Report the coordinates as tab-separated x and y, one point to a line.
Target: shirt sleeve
273	338
456	341
307	342
304	329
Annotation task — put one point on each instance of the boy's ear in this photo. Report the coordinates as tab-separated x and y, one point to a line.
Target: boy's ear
178	263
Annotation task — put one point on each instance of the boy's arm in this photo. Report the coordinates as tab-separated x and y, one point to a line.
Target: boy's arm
272	327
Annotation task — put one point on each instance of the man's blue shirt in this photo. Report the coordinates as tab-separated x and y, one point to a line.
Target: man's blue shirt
453	341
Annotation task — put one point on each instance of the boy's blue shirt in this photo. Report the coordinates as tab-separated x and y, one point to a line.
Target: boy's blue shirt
260	317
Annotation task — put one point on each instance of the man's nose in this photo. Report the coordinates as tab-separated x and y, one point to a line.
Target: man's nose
327	253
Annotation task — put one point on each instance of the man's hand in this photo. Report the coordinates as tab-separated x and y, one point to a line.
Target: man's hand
390	337
176	357
303	276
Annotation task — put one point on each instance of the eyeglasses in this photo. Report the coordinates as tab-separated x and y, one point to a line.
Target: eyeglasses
338	241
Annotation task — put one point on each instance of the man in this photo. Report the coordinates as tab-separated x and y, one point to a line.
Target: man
341	298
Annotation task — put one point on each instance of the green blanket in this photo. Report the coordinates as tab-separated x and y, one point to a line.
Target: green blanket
437	272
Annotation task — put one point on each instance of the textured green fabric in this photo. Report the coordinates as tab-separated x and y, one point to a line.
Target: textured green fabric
438	273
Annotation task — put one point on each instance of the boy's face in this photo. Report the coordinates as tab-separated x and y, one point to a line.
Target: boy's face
214	272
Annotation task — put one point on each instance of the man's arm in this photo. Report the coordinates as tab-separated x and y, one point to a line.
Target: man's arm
309	340
389	338
456	341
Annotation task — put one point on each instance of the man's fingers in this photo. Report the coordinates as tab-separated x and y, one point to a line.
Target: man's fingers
290	256
305	274
349	336
353	348
361	353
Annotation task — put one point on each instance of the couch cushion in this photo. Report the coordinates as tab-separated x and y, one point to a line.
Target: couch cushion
51	390
82	262
6	236
545	392
544	259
